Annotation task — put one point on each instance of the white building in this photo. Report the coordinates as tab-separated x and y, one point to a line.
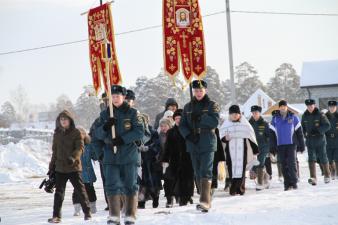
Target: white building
258	98
320	80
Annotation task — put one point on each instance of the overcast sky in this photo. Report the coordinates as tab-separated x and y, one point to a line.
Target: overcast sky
265	41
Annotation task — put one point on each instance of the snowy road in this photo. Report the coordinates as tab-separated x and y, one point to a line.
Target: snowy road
24	203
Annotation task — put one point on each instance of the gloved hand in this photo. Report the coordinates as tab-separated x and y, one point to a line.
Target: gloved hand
193	138
143	148
109	123
117	141
70	161
196	117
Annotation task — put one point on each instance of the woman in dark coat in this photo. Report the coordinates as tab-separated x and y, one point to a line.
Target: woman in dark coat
179	164
150	180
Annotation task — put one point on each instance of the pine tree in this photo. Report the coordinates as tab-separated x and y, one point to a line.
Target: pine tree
87	107
247	82
64	103
8	115
215	87
285	85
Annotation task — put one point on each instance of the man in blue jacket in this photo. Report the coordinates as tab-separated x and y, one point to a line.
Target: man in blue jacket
120	168
287	138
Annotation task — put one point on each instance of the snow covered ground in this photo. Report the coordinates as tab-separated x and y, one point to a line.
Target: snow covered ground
21	202
28	158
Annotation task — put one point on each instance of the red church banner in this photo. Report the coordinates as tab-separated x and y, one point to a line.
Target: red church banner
101	33
183	39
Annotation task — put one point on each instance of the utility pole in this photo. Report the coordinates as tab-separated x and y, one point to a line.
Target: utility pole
231	63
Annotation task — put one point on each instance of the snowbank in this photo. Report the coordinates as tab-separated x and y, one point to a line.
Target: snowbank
28	158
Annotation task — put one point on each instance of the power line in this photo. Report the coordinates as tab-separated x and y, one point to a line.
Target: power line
284	13
158	26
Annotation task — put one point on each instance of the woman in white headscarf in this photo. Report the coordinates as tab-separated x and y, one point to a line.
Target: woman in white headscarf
241	148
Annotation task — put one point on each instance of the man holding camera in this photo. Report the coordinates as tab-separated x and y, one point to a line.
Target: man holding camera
67	149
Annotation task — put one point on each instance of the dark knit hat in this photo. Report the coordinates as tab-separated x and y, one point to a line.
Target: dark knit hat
178	112
234	109
282	103
256	108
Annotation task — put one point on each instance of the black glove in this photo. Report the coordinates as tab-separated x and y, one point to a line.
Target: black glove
117	141
193	138
196	117
314	131
70	161
109	123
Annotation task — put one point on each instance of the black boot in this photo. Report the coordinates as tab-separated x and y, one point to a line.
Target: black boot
141	205
170	202
155	202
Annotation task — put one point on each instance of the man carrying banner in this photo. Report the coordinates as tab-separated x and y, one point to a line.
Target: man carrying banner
120	168
199	121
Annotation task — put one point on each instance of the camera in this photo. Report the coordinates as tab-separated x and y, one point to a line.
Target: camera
48	183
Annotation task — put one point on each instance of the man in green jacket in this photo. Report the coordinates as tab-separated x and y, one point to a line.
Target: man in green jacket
332	138
199	121
120	168
261	128
315	124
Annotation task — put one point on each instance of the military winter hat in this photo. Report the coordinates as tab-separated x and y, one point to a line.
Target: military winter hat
255	108
130	95
178	112
234	109
119	90
198	84
282	103
332	103
104	95
310	102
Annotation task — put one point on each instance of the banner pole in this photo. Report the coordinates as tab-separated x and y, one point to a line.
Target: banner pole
110	100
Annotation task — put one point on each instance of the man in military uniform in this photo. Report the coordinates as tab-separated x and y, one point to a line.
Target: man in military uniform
199	121
130	98
315	124
261	128
332	138
120	168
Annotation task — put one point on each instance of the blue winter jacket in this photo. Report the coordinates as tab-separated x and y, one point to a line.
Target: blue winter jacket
88	174
286	131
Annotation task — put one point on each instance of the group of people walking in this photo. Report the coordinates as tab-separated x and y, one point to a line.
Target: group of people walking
186	148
